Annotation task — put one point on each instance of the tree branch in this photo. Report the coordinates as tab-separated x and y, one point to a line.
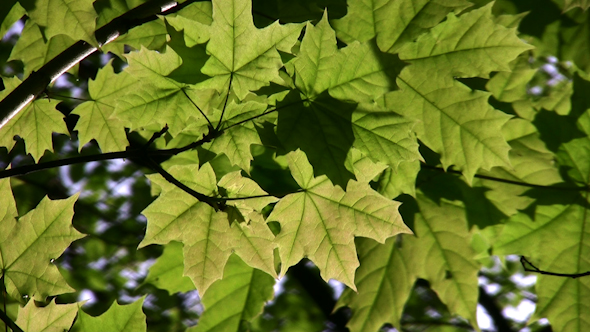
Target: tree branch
526	263
38	81
4	317
488	302
517	183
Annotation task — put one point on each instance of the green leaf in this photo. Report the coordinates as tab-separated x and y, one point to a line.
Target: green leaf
442	252
35	124
11	12
238	186
472	45
151	35
236	299
367	19
208	237
29	247
74	18
235	141
241	51
531	163
32	49
321	222
118	318
195	21
563	229
384	136
254	243
156	99
358	72
96	121
166	273
322	130
454	121
570	4
384	279
510	86
392	183
52	318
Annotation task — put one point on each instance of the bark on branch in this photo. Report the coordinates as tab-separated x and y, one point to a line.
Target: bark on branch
38	81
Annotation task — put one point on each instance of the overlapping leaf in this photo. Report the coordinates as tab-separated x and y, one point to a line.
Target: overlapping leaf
119	318
34	51
166	273
74	18
51	318
564	229
156	100
454	121
320	223
29	246
35	123
384	279
440	253
96	121
241	51
367	19
358	72
235	299
209	237
472	45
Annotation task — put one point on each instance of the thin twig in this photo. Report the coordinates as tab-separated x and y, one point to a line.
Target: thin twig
157	135
200	110
265	113
3	316
517	183
231	76
212	201
535	269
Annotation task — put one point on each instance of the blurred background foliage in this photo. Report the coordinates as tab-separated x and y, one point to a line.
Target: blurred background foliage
106	266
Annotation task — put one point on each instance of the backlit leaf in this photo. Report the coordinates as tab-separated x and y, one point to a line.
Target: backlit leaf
31	245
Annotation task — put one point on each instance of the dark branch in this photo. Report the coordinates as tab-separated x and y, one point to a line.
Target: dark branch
213	201
195	104
529	267
38	81
517	183
490	305
9	322
231	76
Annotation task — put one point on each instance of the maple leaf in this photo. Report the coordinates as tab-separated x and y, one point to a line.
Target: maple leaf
156	99
563	228
241	51
34	51
237	298
358	72
367	19
117	318
29	247
384	280
51	318
75	18
472	45
166	273
455	121
96	121
321	222
35	124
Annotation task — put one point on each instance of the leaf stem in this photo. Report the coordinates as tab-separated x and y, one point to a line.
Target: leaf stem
195	104
517	183
3	316
212	201
231	76
526	263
